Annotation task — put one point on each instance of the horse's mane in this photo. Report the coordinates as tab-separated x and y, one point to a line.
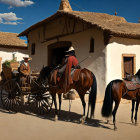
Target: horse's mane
45	71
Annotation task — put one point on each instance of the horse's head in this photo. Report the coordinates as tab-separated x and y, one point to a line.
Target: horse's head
45	73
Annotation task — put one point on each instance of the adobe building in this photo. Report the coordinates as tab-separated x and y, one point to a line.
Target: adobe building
110	43
11	46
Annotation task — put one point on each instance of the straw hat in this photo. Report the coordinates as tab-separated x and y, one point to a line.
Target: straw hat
71	49
29	58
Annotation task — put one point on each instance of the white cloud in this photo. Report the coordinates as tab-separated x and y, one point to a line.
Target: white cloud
9	18
10	23
17	3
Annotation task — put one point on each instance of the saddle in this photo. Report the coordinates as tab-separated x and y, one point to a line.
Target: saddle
132	84
74	74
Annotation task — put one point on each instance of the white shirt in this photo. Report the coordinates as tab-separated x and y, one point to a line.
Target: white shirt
26	64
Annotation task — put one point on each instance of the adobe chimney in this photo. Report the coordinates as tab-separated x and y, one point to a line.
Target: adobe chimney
65	5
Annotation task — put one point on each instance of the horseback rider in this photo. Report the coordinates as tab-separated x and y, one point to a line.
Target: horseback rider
69	63
24	71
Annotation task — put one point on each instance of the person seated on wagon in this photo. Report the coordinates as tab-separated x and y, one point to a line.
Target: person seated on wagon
24	71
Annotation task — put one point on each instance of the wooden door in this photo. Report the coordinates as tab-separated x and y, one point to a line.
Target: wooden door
128	66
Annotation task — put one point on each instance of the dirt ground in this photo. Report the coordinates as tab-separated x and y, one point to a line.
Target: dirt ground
24	126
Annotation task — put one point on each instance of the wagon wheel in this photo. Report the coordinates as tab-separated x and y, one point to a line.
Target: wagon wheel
10	96
40	103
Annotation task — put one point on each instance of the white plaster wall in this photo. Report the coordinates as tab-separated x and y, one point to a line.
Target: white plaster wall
96	60
81	43
9	55
115	49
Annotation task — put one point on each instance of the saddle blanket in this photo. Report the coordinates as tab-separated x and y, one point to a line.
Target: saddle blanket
74	74
131	85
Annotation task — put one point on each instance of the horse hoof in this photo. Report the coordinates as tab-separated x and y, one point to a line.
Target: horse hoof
55	118
82	120
136	123
107	122
115	128
132	120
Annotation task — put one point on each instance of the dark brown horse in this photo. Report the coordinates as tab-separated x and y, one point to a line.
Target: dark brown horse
116	90
85	82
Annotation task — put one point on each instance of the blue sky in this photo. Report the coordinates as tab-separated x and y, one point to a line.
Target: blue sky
17	15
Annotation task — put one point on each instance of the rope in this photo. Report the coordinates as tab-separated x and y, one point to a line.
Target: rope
78	6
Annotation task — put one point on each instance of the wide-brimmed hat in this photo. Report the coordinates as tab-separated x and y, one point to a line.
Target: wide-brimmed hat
29	58
70	49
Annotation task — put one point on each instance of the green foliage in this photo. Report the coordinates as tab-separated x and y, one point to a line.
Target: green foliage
7	63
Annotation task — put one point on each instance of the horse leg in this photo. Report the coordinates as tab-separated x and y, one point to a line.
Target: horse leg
55	104
136	111
82	97
114	114
60	101
132	111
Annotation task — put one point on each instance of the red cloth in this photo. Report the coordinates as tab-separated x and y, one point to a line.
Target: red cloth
72	61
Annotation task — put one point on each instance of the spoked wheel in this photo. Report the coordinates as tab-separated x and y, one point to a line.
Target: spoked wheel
10	96
40	103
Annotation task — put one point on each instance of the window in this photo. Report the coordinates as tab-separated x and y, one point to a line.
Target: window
33	49
91	45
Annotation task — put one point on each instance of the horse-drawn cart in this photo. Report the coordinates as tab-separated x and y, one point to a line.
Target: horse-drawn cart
33	97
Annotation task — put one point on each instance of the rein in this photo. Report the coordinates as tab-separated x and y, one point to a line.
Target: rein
84	59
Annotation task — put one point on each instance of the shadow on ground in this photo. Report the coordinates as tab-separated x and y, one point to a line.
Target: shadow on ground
64	116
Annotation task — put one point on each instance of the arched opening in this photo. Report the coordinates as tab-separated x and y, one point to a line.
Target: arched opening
56	52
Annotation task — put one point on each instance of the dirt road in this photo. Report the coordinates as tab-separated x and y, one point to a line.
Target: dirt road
21	126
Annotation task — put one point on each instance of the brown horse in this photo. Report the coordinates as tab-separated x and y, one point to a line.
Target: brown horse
116	90
86	81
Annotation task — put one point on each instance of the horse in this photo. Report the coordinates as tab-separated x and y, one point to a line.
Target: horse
135	104
86	81
116	90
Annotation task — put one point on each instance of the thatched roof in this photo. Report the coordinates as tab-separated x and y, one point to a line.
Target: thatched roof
112	25
11	40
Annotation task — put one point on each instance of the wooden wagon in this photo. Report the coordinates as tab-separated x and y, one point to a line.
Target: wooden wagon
33	97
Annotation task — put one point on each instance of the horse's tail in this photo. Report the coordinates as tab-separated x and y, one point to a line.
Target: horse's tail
92	96
108	101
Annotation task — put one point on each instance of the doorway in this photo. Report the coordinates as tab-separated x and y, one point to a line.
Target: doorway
56	52
128	65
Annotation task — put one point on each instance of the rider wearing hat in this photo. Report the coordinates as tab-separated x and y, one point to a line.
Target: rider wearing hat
70	61
24	70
